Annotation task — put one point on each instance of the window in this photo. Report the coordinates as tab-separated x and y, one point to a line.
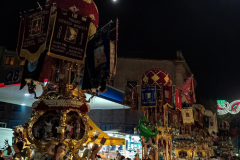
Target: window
3	125
105	127
22	63
110	83
131	84
16	108
9	60
2	106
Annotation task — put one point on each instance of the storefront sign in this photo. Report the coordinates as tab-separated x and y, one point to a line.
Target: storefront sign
11	76
70	36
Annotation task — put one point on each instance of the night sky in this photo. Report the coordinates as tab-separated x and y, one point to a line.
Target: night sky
207	32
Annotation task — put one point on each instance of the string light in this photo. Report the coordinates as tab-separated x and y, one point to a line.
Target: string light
225	107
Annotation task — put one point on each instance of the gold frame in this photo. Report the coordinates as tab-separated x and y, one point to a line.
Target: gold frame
188	150
199	150
71	144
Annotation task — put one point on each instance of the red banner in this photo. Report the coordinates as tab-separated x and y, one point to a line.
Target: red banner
178	102
188	90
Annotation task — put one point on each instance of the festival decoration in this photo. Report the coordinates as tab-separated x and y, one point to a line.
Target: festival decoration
156	77
70	36
35	33
187	115
148	96
145	129
53	40
188	90
213	124
85	8
113	57
175	117
32	70
167	95
97	70
224	107
178	101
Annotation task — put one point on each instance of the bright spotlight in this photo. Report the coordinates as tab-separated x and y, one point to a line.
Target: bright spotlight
114	0
23	104
27	94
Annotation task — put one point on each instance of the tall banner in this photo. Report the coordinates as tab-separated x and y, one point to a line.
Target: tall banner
35	34
187	115
98	60
20	37
47	70
134	104
148	96
178	102
206	122
188	90
167	95
175	117
69	37
32	70
113	57
213	127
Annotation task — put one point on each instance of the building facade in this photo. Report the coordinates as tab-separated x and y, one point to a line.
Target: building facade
130	70
129	73
11	67
13	115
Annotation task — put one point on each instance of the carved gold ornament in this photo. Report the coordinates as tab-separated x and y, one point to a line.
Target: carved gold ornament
72	144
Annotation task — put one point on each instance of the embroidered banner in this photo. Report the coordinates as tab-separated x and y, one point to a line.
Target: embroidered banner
178	102
206	121
174	117
213	124
113	59
167	95
70	36
134	104
35	34
98	60
148	96
32	70
187	115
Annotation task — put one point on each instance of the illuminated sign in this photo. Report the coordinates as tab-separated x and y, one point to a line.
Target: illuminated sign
223	107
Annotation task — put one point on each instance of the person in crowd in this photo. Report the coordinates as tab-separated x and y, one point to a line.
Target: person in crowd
219	158
136	157
59	151
1	155
121	158
118	154
18	147
146	157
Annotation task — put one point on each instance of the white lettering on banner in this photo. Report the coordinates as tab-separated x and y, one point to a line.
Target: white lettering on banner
59	103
